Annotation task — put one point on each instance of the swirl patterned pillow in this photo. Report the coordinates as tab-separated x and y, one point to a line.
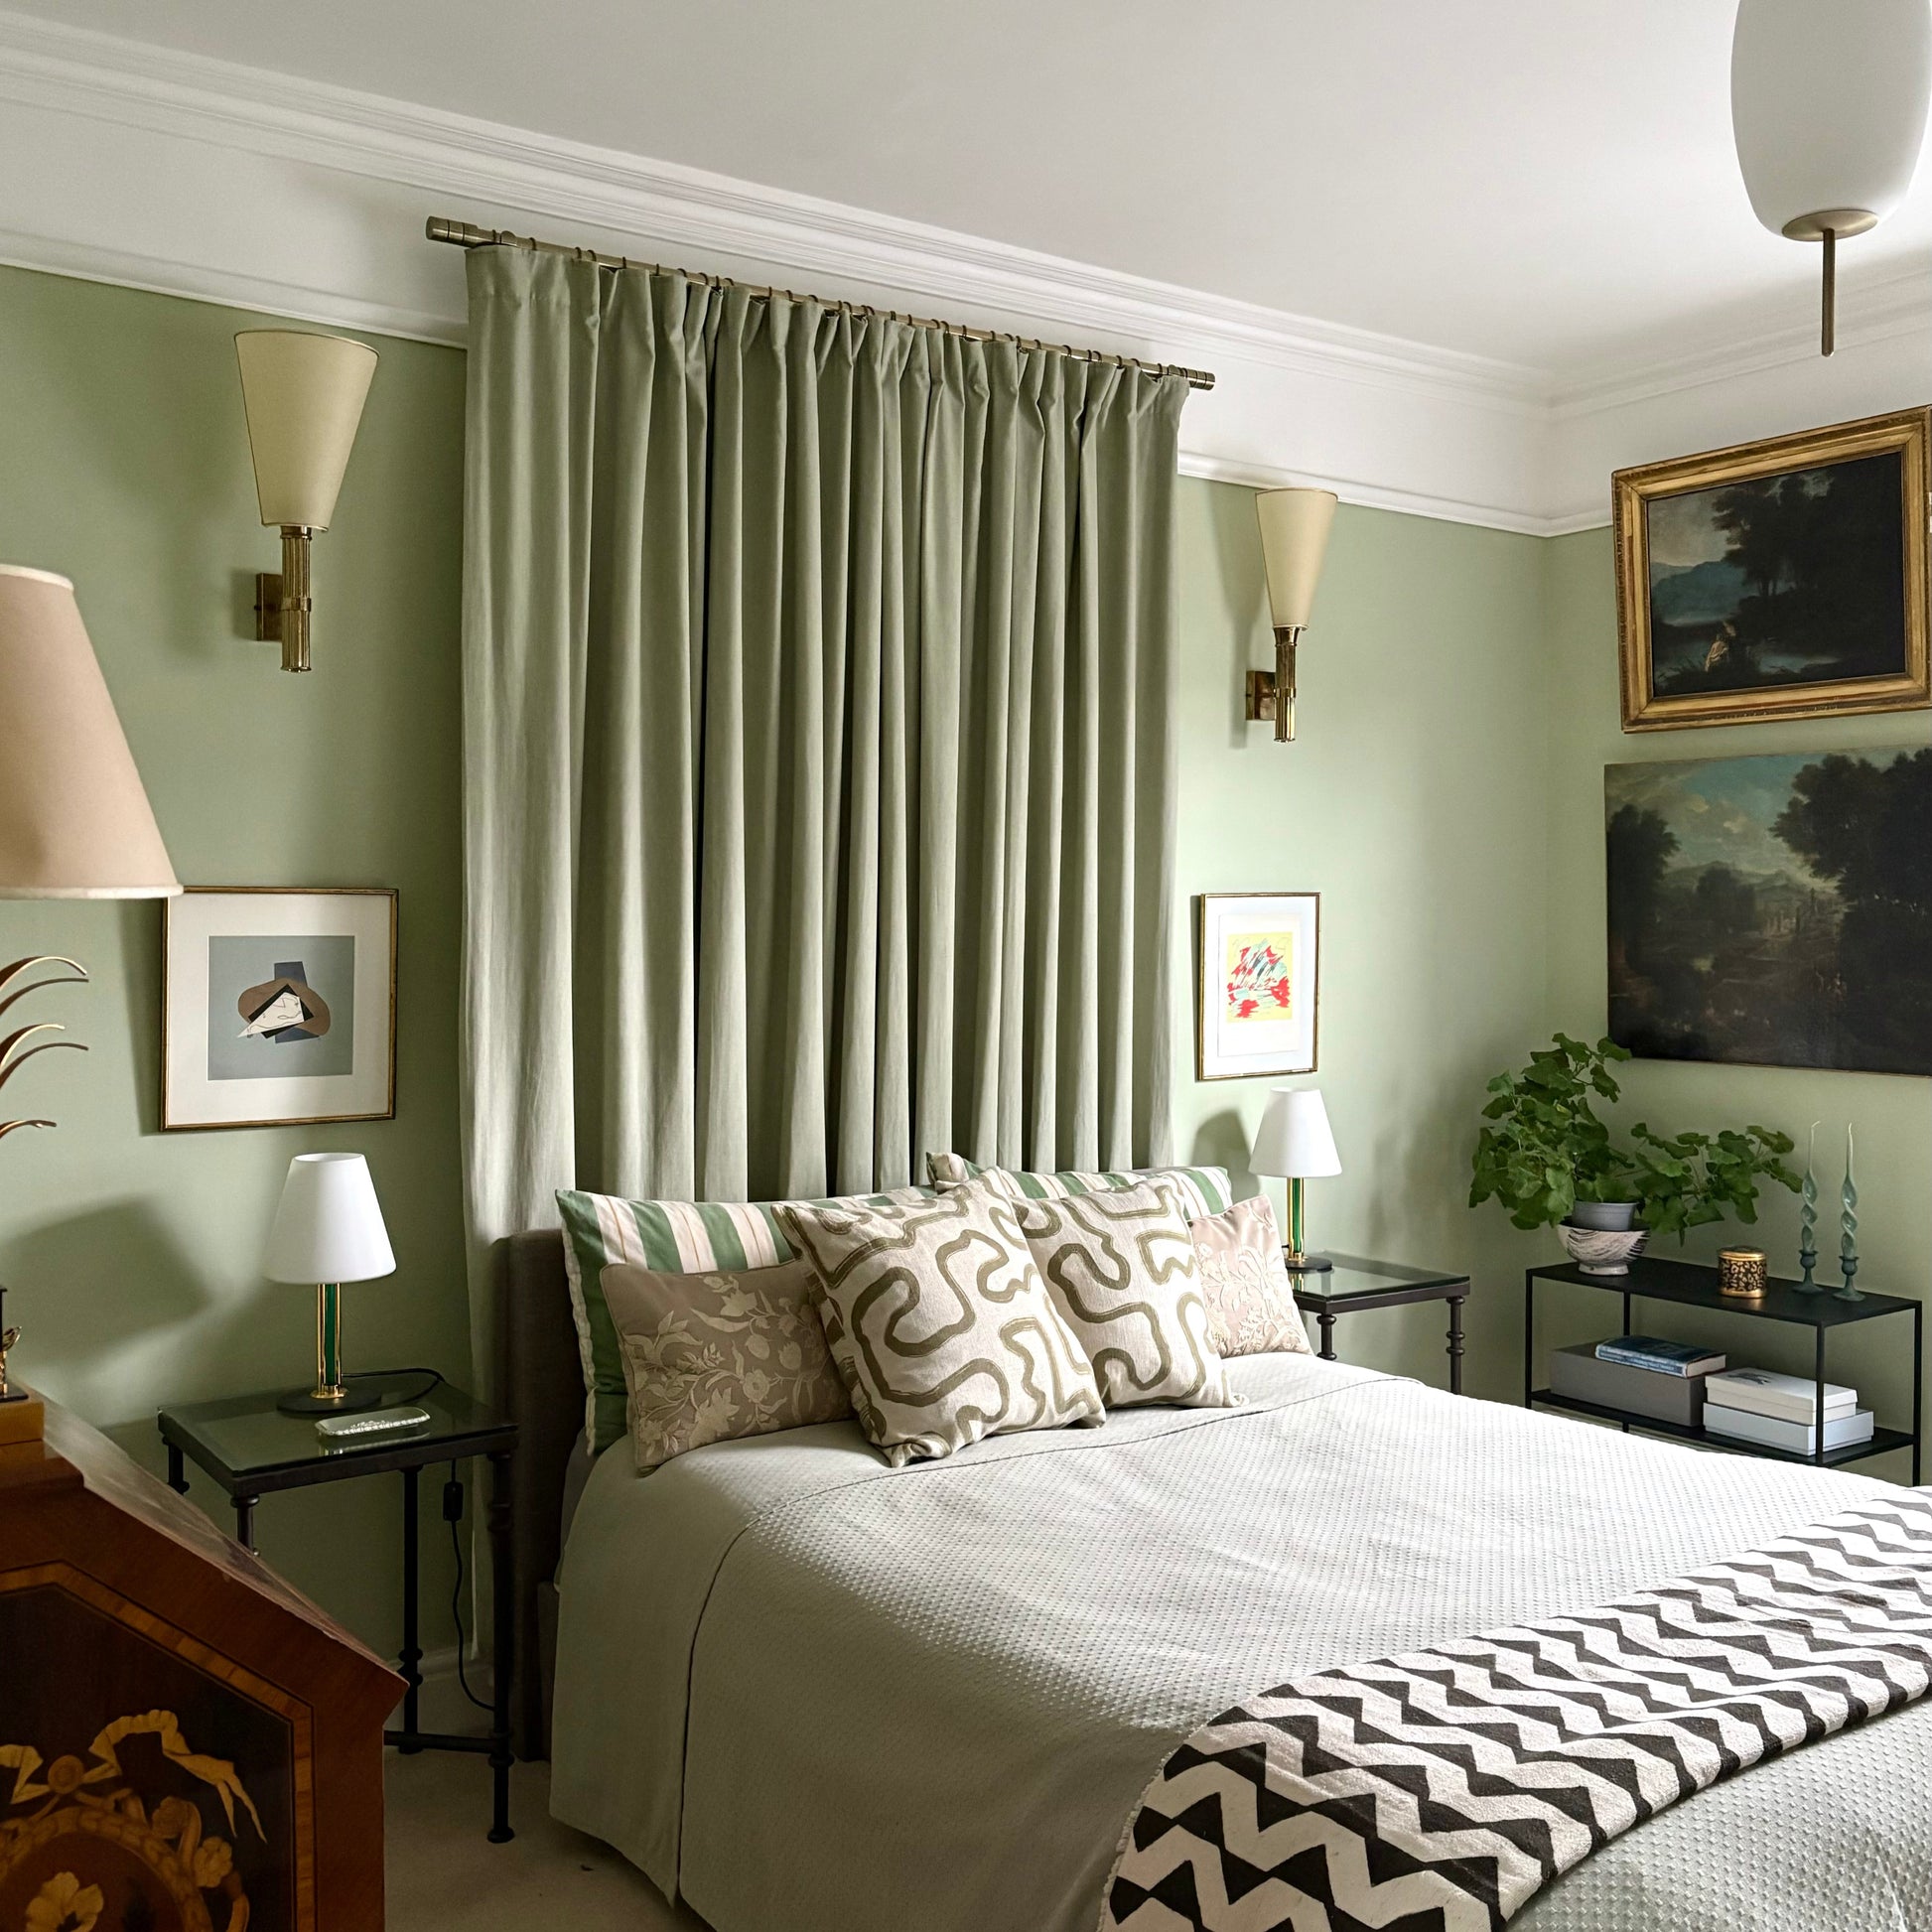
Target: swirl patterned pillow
1244	1282
939	1323
1122	1267
1203	1191
709	1358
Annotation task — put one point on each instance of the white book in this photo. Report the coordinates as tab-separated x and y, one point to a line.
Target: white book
1790	1398
1799	1438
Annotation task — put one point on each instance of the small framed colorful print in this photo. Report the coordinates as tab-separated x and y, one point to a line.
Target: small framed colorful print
1256	986
278	1008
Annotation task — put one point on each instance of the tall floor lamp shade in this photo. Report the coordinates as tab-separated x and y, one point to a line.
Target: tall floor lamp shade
74	820
328	1230
1295	1143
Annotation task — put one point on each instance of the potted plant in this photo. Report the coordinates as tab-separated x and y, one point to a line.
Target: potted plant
1544	1153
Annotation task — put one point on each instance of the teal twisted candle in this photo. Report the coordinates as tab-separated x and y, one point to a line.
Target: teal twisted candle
1848	1222
1808	1217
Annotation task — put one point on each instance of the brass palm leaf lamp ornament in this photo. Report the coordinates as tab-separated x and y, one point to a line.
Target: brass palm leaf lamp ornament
1828	102
74	820
1294	526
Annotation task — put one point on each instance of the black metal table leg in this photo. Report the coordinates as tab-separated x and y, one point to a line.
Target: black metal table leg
1918	1385
1818	1414
1456	1344
504	1579
244	1521
1529	1337
1326	1322
176	1471
410	1659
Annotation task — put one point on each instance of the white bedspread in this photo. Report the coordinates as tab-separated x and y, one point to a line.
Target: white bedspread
810	1692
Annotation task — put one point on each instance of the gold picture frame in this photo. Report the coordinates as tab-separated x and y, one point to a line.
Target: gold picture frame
195	1094
1855	591
1291	1045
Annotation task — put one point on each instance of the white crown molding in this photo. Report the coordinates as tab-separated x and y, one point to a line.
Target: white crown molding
155	169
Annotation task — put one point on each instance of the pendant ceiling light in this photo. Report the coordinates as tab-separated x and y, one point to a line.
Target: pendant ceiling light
1828	102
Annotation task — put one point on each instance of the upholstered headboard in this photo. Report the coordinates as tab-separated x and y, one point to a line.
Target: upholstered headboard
540	1385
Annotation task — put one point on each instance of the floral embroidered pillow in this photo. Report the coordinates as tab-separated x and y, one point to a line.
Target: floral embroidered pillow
1244	1282
712	1356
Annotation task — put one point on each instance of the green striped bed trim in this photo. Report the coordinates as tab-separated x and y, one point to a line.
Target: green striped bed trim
1204	1191
672	1237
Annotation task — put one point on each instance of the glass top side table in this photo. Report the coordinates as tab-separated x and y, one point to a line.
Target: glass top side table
1352	1283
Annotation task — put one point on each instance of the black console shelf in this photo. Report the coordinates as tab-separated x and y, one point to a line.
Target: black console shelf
1690	1284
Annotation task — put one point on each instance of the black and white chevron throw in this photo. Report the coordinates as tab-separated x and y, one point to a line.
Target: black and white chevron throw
1439	1791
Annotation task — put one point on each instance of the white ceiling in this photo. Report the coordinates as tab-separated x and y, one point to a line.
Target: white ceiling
1547	182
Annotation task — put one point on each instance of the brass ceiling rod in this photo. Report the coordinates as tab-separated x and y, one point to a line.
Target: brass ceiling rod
466	235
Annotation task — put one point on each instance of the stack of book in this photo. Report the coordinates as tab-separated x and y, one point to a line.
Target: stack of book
1640	1375
1752	1404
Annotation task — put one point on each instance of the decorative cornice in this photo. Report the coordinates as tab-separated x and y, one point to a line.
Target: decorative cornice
1387	423
197	97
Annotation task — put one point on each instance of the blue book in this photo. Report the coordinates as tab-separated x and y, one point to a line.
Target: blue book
1663	1357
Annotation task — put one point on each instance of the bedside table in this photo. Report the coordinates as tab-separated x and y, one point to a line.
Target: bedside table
252	1451
1353	1284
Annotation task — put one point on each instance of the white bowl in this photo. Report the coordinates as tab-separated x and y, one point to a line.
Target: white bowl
1598	1251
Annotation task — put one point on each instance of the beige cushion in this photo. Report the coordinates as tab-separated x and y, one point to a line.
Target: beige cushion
939	1321
730	1352
1121	1265
1250	1300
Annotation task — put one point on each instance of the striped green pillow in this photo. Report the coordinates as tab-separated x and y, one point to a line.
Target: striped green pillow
1203	1191
671	1237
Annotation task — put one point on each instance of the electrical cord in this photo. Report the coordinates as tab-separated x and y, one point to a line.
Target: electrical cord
415	1395
453	1515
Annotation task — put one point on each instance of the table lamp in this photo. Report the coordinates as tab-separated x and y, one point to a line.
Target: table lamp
328	1230
75	821
1294	1145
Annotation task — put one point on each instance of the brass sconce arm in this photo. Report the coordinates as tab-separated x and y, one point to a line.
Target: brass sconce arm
1271	694
284	602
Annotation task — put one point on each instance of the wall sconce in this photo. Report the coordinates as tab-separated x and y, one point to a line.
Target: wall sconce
304	396
1294	525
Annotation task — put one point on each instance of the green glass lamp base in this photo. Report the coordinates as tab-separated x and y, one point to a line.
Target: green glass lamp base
330	1393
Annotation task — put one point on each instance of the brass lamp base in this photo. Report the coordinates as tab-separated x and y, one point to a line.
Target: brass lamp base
1306	1264
331	1395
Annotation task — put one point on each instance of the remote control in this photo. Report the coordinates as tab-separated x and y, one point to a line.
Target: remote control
338	1429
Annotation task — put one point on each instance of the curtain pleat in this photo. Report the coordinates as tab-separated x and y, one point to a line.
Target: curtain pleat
818	745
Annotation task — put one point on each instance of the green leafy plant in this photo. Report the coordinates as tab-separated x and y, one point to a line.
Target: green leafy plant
1686	1180
1543	1149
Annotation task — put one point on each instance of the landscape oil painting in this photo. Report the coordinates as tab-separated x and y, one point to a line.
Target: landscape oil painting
1785	579
1773	910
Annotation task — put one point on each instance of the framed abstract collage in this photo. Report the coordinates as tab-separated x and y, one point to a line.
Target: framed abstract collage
278	1007
1256	1004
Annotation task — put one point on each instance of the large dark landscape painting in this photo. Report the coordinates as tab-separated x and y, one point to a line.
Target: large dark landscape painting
1794	579
1773	910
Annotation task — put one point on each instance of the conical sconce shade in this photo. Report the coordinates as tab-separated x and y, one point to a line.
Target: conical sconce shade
74	820
1294	526
304	394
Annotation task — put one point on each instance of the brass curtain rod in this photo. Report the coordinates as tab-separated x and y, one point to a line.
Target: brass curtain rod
466	235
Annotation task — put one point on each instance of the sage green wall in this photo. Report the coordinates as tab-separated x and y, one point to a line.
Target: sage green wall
1414	801
1892	1115
134	1255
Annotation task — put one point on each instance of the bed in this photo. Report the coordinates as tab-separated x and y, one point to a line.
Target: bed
800	1689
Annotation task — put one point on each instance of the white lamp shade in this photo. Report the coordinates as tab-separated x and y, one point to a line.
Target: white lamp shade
74	819
1294	1140
329	1226
304	396
1294	526
1828	101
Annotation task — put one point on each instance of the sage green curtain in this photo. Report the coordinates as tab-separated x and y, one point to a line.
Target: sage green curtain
819	763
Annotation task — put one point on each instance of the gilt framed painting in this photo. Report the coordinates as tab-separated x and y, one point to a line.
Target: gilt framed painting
1773	910
1257	999
278	1007
1781	579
